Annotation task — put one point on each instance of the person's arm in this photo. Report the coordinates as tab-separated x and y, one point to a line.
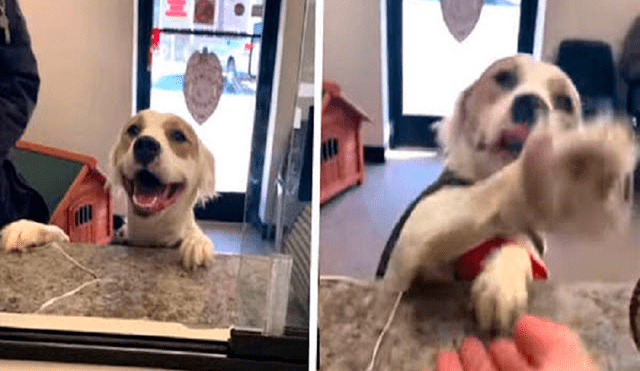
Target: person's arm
19	79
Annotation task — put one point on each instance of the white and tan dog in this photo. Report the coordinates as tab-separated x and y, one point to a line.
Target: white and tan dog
523	164
165	170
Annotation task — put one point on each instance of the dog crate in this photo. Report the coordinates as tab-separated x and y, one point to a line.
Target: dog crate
72	186
342	152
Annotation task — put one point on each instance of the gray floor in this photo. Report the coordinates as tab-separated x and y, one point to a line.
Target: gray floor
234	238
355	226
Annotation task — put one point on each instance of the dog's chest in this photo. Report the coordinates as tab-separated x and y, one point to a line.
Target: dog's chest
447	178
470	263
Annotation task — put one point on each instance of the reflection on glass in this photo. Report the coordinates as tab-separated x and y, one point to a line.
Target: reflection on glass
284	295
236	42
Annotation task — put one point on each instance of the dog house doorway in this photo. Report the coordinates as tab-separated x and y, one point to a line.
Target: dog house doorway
242	33
428	67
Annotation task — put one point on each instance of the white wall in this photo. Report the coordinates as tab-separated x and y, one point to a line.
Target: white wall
84	53
607	21
352	58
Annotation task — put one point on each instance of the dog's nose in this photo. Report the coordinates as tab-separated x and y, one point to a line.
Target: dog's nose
526	109
145	150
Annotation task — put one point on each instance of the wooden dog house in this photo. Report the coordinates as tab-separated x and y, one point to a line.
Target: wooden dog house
342	152
72	186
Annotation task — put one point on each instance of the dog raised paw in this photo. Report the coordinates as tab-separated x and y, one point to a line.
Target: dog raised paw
196	250
581	181
499	293
23	234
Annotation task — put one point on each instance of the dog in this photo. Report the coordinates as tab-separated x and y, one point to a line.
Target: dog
519	163
22	234
165	170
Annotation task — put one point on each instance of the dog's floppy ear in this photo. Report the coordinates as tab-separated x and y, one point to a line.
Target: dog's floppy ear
449	128
113	176
116	151
207	180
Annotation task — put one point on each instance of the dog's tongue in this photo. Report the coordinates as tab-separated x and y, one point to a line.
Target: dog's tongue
147	200
513	139
149	197
147	190
518	133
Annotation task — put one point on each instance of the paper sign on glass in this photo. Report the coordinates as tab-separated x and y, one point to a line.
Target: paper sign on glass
202	85
204	12
461	16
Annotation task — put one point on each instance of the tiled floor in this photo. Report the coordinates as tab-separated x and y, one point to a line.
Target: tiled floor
355	226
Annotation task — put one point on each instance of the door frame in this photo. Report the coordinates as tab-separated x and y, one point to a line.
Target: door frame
236	207
414	130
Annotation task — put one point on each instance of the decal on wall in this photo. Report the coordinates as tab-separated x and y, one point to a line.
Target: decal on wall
461	16
202	85
204	12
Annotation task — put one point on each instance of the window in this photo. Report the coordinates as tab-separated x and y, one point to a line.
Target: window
428	67
83	215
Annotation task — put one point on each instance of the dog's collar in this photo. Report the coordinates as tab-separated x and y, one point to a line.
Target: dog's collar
449	178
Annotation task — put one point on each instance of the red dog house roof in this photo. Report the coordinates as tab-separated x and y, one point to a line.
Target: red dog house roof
74	189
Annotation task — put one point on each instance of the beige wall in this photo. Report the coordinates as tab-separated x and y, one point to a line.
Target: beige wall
84	50
288	70
607	21
352	58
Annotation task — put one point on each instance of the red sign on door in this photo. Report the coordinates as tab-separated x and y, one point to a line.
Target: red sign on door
176	8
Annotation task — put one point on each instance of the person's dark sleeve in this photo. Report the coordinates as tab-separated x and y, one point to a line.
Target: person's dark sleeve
19	80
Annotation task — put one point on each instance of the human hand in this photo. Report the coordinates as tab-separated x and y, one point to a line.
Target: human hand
537	345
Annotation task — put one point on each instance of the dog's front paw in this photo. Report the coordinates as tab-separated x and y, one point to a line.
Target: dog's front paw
581	181
499	293
196	250
22	234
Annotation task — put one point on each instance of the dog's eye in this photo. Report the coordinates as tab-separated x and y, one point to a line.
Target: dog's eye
563	102
178	136
133	130
507	79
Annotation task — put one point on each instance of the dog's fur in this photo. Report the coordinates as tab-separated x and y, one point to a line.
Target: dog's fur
183	161
569	177
23	234
181	158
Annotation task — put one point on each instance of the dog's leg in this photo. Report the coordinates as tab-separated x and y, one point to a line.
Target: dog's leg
22	234
453	220
500	292
196	250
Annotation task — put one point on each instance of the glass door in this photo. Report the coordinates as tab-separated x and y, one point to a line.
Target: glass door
232	30
429	67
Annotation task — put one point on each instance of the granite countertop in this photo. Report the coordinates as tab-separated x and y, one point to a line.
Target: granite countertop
133	283
437	316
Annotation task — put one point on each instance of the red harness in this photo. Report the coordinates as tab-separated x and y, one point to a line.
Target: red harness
469	265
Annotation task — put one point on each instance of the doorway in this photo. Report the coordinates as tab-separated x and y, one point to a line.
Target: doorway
428	67
243	35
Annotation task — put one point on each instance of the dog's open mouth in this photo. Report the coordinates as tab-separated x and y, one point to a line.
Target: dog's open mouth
512	140
149	195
